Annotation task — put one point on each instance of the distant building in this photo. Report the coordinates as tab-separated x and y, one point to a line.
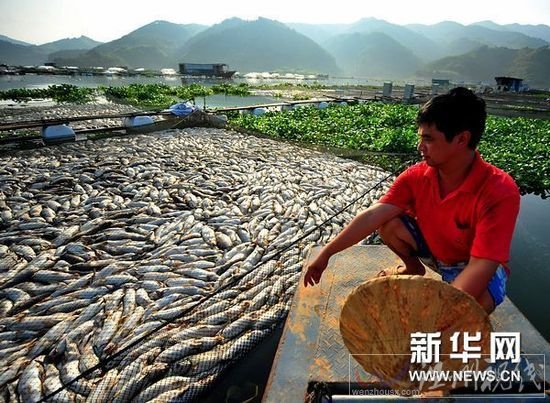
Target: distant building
387	89
509	84
443	82
205	69
408	92
439	86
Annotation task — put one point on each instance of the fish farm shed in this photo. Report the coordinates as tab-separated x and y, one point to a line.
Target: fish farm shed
205	69
509	84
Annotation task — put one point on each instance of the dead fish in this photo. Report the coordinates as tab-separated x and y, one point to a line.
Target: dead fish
163	386
52	383
29	386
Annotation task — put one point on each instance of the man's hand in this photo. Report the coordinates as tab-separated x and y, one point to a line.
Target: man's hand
359	228
315	270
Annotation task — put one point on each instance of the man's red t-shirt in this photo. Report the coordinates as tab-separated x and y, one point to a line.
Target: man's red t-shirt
477	219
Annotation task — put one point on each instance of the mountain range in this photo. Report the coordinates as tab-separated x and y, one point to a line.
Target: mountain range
369	48
16	52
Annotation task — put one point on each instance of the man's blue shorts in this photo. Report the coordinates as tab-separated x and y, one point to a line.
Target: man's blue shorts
497	284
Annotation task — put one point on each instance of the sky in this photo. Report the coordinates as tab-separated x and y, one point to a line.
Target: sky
42	21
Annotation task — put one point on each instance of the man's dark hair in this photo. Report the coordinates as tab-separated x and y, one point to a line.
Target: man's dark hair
458	110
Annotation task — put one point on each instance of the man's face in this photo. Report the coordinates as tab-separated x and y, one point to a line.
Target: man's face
434	147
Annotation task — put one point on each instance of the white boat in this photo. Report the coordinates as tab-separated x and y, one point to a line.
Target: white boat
168	72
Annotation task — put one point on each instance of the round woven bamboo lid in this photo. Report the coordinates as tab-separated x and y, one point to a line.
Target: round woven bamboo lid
380	315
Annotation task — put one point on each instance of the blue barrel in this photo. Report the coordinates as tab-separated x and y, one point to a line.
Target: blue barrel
323	105
285	108
57	133
135	121
259	111
343	103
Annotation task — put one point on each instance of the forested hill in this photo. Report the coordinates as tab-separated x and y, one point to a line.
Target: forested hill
151	46
260	45
374	55
485	63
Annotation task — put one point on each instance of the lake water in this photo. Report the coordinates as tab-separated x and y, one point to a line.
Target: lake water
31	81
42	81
529	281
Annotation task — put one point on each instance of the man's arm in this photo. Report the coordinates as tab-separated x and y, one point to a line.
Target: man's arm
476	276
491	244
359	228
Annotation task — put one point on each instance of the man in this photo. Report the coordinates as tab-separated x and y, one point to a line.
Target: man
453	211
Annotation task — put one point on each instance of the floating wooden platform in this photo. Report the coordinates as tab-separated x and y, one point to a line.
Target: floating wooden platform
59	121
312	363
279	105
167	121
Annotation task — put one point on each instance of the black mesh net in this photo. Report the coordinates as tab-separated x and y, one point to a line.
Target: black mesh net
139	269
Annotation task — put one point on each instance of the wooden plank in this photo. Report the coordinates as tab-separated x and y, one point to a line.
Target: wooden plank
277	104
311	349
296	358
288	378
50	122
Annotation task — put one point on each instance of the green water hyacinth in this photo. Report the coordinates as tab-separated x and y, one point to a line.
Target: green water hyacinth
162	96
61	94
141	95
520	146
146	95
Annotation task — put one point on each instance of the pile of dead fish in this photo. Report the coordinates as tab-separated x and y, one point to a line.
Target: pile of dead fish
104	243
30	113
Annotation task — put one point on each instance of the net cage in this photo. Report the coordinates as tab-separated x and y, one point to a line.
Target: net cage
140	268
